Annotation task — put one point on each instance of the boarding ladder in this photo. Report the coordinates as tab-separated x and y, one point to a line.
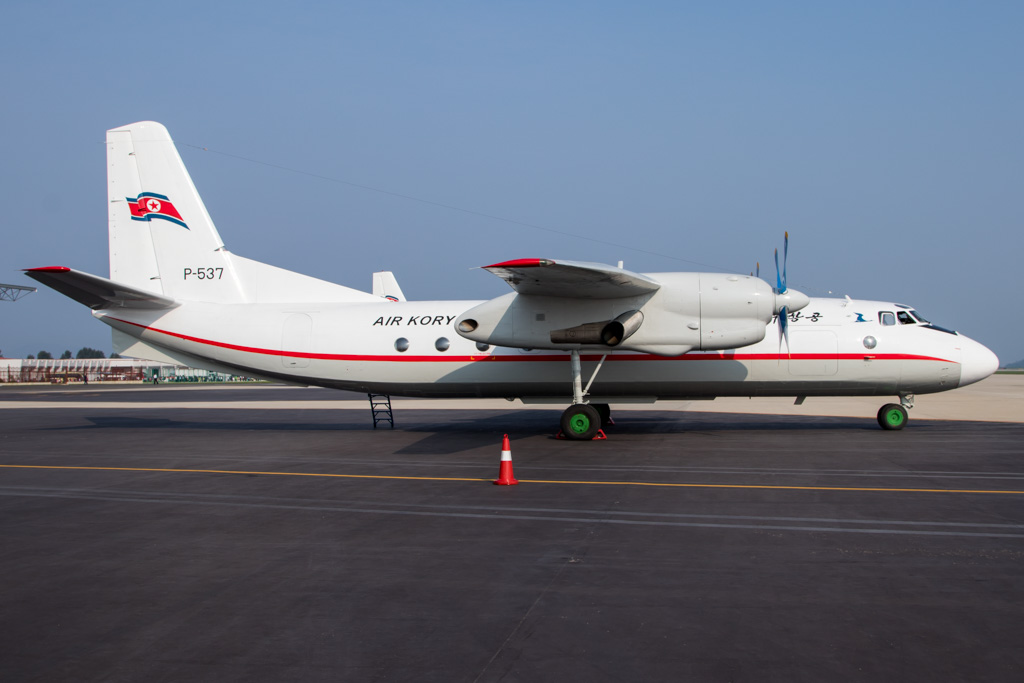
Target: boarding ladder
380	406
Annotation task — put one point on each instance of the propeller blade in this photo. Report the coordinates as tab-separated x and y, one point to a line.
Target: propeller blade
785	259
784	328
780	280
783	331
778	274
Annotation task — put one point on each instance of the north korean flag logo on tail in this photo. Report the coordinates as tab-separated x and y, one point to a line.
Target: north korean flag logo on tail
150	205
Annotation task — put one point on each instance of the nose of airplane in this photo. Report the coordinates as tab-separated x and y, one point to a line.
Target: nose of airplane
976	363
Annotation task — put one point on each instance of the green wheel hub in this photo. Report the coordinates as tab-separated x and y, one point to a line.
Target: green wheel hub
579	423
892	416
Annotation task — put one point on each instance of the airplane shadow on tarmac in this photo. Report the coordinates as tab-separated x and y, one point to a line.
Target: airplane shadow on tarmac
437	432
632	423
125	422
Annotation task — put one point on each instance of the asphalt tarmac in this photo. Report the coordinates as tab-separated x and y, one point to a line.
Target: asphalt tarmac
146	539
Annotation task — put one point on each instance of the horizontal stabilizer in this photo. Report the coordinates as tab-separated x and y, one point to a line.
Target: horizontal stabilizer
97	292
572	279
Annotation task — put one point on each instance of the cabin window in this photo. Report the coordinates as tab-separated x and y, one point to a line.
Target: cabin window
480	346
887	318
442	344
401	345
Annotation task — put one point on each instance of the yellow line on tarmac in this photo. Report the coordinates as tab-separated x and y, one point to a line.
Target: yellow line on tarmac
280	474
523	481
766	486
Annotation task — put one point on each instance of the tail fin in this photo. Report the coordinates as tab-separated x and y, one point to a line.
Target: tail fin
162	239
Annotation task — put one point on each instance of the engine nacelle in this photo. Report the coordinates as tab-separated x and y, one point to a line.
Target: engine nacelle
707	311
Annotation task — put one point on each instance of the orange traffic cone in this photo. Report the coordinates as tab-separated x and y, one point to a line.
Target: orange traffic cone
505	477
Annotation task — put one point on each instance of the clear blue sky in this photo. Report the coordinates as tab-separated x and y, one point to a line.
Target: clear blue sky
886	137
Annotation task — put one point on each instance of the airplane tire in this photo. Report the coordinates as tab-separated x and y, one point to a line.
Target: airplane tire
892	416
604	411
580	422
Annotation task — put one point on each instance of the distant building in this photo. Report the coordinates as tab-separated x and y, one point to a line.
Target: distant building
65	371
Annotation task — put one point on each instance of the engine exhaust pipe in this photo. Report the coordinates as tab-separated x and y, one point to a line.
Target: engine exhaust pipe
622	328
608	333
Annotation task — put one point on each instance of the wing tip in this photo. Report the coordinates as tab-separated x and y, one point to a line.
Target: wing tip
523	263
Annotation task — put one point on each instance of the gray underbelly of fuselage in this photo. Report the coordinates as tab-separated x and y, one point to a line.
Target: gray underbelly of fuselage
654	378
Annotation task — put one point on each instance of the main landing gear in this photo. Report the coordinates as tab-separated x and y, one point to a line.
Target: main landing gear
580	422
894	415
584	421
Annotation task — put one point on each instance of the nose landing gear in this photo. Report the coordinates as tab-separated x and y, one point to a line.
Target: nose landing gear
893	416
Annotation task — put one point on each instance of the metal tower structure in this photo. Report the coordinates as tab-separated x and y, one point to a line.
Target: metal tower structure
14	292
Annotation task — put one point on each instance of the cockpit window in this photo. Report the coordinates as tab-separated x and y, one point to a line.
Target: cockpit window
905	318
920	318
887	318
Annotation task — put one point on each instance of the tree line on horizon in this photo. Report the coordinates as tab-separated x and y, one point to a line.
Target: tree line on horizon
84	353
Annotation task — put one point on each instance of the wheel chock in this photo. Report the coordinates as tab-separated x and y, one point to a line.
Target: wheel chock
600	436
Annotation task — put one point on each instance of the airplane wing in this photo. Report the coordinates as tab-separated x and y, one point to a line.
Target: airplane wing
97	292
572	279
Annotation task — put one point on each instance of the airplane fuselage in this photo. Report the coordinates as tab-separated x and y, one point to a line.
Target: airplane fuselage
835	347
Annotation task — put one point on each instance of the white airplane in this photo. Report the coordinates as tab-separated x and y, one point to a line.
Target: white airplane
176	294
